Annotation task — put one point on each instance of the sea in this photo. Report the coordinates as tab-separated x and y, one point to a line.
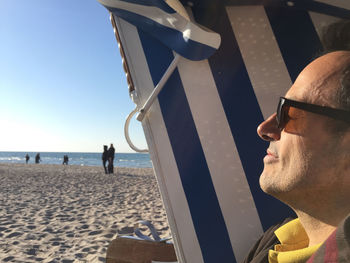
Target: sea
137	160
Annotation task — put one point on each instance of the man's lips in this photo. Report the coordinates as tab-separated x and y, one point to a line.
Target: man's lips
270	156
272	153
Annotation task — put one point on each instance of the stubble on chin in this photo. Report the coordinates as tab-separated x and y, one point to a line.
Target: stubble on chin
268	183
273	181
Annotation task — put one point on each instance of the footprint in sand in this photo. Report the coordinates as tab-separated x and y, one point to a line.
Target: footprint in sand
8	222
15	226
8	259
67	227
79	255
42	236
48	229
109	235
31	252
93	233
30	237
126	230
56	239
70	234
86	249
14	234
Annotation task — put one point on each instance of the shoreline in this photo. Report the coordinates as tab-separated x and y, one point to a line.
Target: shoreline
55	212
71	165
136	160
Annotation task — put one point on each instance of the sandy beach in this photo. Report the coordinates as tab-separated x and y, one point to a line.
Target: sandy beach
56	213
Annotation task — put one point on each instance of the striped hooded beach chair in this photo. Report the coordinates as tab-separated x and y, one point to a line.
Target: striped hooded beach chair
203	76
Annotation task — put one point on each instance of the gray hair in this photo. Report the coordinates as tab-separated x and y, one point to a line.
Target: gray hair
336	37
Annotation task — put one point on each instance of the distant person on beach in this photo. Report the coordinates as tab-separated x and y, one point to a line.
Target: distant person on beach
110	155
65	159
37	158
105	157
27	158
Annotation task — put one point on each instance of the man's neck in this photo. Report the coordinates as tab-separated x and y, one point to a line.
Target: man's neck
316	230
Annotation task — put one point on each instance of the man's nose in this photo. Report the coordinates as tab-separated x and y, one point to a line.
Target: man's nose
268	129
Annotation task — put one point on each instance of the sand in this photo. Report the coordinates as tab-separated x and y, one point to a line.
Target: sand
56	213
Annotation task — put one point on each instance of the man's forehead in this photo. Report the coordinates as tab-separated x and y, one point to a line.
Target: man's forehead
318	82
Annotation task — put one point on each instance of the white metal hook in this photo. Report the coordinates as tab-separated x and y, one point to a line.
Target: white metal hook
126	132
149	102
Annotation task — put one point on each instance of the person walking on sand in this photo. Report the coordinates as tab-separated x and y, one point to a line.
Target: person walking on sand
110	155
37	158
105	157
65	159
27	158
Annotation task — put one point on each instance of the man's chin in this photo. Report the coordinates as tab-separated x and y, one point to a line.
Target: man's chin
268	184
263	182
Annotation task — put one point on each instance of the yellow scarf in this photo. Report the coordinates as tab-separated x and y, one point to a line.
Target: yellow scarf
294	244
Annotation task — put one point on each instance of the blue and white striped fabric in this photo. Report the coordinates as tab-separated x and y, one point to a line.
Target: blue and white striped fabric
161	21
201	131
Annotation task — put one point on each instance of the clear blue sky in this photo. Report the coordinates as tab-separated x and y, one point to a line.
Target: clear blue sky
62	85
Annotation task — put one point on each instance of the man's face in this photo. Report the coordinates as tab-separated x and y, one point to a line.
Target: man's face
305	162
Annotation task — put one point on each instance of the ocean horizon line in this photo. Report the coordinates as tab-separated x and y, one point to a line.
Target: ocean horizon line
139	160
3	151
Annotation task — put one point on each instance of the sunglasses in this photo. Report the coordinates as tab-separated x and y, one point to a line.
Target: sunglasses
285	113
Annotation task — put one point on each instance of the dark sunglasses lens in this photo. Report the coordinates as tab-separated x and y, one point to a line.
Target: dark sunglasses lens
280	113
